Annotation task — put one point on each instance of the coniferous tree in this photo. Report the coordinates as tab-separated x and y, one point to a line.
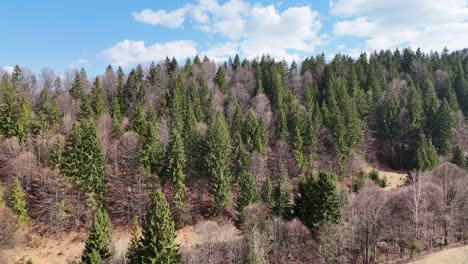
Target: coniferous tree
267	192
15	117
55	157
248	193
281	195
132	249
18	202
317	201
158	233
426	156
281	125
86	110
298	146
261	138
176	170
250	130
98	102
98	247
217	161
443	128
76	90
429	104
220	80
138	120
83	159
150	151
240	158
116	116
459	158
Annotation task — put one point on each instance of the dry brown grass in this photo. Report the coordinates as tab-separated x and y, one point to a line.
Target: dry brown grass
458	255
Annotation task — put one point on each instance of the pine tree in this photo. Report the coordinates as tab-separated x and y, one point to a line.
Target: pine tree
18	202
317	201
217	161
415	112
98	102
15	117
250	130
83	159
261	137
55	157
132	249
298	146
138	120
220	80
121	97
150	151
267	192
76	90
459	158
157	242
176	170
443	128
429	104
426	156
281	125
281	197
248	193
240	158
116	116
98	247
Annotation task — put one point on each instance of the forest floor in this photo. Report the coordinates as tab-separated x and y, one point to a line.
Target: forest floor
67	248
457	255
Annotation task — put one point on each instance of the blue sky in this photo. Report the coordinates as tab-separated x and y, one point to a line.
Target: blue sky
63	35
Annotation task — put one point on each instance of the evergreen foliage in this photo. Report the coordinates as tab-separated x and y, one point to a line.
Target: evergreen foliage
317	201
157	244
98	247
217	162
18	202
83	159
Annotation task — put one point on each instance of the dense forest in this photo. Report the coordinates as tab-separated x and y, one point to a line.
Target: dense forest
276	149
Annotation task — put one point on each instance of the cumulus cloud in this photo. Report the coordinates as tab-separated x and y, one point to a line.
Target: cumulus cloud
173	19
251	30
429	24
359	27
7	69
129	52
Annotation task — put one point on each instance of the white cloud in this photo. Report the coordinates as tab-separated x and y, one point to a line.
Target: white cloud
129	52
173	19
80	62
222	52
7	69
250	30
359	27
429	24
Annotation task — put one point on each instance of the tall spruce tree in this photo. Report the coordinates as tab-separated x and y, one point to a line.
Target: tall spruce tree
443	128
459	158
98	247
217	162
220	80
426	156
317	201
83	159
150	151
176	170
158	233
76	90
98	102
18	202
